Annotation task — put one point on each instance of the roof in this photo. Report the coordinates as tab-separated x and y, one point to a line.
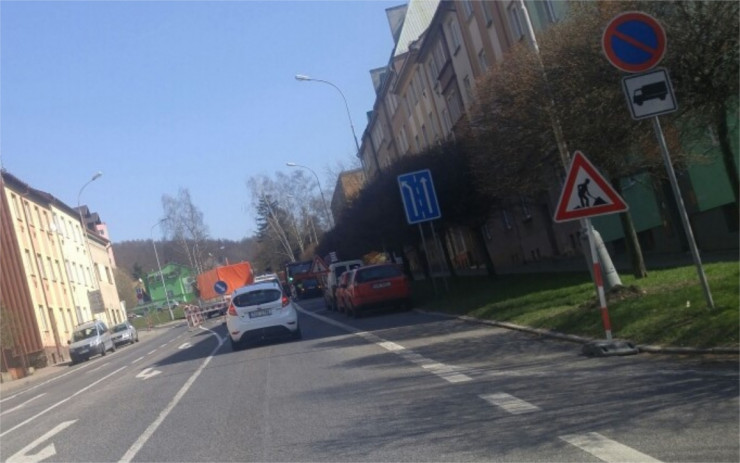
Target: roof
418	18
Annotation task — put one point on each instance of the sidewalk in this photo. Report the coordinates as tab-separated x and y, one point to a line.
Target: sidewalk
47	373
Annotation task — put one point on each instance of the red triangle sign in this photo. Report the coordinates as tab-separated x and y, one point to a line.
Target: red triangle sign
318	265
586	193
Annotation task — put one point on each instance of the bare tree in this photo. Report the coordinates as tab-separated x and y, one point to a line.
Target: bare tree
184	224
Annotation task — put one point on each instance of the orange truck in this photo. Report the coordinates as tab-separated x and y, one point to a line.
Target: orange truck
216	285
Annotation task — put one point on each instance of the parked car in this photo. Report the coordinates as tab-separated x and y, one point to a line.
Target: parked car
124	333
331	280
261	311
341	289
89	339
376	286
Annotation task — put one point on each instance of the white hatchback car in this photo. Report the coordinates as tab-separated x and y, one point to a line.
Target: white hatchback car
261	311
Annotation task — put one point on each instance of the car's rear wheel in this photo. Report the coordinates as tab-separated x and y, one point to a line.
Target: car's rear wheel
103	350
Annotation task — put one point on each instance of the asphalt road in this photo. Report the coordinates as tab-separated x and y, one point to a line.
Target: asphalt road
389	387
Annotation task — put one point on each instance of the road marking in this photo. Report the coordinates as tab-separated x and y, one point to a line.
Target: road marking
163	345
60	402
140	358
606	449
509	403
151	352
43	454
447	372
391	346
21	405
149	431
99	367
148	373
186	345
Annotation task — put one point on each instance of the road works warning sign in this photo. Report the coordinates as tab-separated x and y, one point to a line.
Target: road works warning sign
586	193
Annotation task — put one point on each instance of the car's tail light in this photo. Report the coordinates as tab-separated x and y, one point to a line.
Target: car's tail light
286	300
232	310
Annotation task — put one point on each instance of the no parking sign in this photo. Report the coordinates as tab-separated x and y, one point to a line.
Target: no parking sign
634	41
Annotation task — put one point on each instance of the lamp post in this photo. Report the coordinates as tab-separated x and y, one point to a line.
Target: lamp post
305	78
159	267
323	199
93	275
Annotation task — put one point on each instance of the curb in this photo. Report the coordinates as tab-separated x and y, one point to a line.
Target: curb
583	340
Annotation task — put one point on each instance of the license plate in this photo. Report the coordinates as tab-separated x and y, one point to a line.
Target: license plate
384	284
260	313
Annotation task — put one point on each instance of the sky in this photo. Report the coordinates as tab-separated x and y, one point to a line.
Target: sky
165	95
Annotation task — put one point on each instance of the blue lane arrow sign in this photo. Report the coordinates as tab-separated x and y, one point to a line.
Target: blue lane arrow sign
418	196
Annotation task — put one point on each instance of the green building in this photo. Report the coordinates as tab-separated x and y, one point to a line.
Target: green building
178	281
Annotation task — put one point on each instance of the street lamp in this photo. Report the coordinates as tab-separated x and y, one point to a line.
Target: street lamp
159	266
93	275
305	78
323	199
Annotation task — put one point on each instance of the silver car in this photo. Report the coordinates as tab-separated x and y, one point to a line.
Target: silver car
88	339
125	333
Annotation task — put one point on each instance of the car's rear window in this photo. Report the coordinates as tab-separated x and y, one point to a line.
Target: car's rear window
260	296
377	273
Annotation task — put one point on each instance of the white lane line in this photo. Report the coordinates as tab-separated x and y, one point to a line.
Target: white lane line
50	450
509	403
606	449
163	345
151	352
149	431
391	346
60	402
21	405
447	372
140	358
99	367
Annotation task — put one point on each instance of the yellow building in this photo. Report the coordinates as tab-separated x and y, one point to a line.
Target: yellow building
61	266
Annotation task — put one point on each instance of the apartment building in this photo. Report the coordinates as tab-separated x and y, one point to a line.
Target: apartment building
65	270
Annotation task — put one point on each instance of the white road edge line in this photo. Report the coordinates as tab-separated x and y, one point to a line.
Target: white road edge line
149	431
60	402
606	449
447	372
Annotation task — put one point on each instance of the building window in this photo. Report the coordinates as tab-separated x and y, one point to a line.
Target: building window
550	9
446	121
52	270
412	92
97	272
525	208
487	13
42	319
425	135
433	123
515	21
29	263
27	208
406	104
64	320
15	206
506	218
468	8
108	275
70	275
40	263
59	271
439	56
483	61
454	35
433	70
71	320
453	104
468	88
80	318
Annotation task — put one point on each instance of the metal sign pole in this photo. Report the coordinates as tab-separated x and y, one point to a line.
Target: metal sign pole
682	212
441	255
426	255
599	281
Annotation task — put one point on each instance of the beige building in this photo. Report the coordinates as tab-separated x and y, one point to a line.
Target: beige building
442	48
58	269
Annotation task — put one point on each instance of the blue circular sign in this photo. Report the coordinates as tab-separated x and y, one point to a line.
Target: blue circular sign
634	41
220	287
